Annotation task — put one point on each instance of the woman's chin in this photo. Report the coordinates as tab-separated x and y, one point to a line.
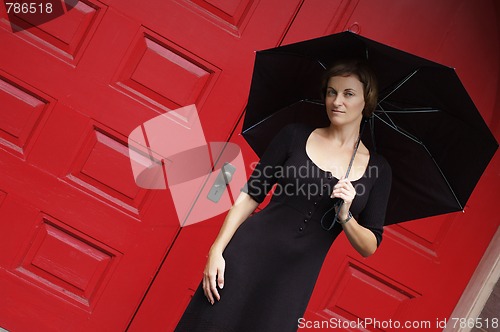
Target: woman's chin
341	120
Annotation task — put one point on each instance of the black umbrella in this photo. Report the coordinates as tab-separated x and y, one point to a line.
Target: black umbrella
425	124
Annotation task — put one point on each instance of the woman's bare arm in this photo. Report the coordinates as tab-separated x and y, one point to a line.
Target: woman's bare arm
361	238
214	269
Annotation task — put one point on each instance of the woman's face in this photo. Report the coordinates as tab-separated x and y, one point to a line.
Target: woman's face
344	99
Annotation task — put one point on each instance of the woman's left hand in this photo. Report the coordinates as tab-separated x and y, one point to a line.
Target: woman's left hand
345	191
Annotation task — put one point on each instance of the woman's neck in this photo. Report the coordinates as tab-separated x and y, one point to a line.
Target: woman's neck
345	136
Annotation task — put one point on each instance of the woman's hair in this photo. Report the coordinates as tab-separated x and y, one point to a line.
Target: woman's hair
364	73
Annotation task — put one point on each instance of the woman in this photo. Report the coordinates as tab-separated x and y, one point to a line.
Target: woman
260	273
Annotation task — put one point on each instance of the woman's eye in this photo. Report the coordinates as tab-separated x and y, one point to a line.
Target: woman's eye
349	94
330	93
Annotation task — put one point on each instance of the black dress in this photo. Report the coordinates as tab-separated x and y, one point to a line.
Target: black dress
274	258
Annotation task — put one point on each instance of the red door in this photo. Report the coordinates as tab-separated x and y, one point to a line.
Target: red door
85	248
422	268
81	242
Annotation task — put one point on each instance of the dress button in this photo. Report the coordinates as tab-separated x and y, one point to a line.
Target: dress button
315	203
305	220
301	229
329	175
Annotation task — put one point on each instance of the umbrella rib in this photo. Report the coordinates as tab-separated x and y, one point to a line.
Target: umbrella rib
399	130
258	123
310	101
387	116
444	178
400	84
291	105
416	140
321	64
411	110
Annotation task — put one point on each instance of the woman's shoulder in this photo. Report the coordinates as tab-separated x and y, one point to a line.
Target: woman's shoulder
296	130
380	162
298	126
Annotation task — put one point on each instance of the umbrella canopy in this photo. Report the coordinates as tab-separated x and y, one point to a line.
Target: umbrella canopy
425	123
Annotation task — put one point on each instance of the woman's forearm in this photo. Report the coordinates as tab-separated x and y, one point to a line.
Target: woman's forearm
361	238
239	212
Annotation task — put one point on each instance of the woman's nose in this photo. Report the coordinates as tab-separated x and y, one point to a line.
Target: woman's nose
337	100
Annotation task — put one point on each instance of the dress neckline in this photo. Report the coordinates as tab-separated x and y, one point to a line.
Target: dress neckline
328	172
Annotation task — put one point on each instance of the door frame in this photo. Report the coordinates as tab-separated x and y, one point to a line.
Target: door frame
480	286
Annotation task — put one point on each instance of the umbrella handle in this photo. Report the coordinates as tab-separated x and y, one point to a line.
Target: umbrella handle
363	125
338	202
332	214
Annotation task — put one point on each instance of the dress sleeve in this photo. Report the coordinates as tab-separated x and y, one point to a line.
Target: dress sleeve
265	174
373	215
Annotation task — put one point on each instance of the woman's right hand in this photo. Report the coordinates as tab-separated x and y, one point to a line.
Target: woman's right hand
214	269
213	275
